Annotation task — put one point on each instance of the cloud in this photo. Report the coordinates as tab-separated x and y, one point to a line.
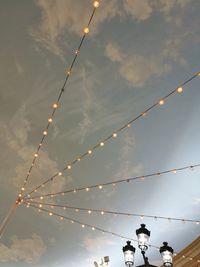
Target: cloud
26	250
62	17
16	136
59	17
140	10
139	68
95	244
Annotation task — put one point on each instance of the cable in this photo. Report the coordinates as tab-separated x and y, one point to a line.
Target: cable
114	134
56	104
100	186
104	211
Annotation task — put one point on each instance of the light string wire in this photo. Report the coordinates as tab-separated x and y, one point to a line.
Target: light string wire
179	89
56	104
104	211
100	186
93	228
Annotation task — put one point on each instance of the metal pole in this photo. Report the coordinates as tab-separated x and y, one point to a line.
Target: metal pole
8	218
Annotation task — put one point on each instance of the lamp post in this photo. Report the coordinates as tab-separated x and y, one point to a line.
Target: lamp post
143	235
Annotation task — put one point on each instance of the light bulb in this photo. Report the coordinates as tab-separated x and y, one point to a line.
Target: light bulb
114	135
96	4
60	173
179	89
45	133
36	155
55	105
69	167
102	144
161	102
86	30
50	120
89	152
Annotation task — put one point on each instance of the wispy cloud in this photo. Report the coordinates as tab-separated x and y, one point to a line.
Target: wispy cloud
16	136
27	250
96	243
139	68
61	16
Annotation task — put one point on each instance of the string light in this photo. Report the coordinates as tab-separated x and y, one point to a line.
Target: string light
125	126
55	105
104	211
161	102
141	177
103	231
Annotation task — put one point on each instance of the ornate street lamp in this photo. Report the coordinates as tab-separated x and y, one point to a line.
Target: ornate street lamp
143	235
167	254
129	252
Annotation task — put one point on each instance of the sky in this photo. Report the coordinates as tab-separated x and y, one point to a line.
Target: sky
136	52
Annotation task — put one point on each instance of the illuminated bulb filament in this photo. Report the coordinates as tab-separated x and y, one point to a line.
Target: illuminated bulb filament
102	144
100	186
69	167
45	133
89	152
55	105
60	173
35	155
50	120
50	213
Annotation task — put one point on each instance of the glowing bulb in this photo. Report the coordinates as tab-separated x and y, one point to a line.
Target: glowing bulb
102	212
50	213
179	89
89	152
77	210
50	120
87	189
89	211
72	221
55	105
40	205
61	218
198	74
69	167
68	72
129	125
161	102
52	195
197	222
39	210
74	191
86	30
36	155
100	186
76	52
42	185
60	173
78	159
41	197
102	144
45	133
114	135
83	226
96	4
93	228
143	114
63	194
22	188
141	217
64	208
174	171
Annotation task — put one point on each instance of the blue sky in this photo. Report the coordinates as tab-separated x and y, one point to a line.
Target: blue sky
136	52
